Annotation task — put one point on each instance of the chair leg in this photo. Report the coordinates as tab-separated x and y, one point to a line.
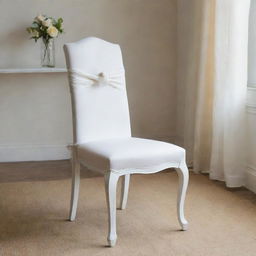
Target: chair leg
111	180
75	185
124	191
183	184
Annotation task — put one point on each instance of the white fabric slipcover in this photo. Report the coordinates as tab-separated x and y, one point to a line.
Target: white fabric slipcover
101	114
130	155
100	111
102	132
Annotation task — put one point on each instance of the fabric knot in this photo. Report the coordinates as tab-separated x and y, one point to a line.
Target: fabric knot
79	78
103	78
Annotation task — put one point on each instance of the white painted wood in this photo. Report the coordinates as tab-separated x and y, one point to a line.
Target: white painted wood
252	45
250	174
124	191
250	178
31	70
183	184
111	180
251	99
149	170
75	185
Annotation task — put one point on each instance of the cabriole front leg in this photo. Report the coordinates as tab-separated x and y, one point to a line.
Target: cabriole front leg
183	184
111	180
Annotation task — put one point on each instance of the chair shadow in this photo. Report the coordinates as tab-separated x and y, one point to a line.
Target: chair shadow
40	171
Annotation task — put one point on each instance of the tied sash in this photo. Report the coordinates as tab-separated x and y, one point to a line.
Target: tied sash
78	77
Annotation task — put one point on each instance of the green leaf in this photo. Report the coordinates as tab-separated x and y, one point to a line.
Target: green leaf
60	20
35	25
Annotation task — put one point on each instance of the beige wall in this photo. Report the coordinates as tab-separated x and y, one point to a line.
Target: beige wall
187	63
35	109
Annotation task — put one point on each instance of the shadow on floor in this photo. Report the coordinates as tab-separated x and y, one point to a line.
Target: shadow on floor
61	169
39	171
241	192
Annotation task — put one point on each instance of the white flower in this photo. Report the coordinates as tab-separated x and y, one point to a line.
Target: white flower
47	22
40	18
52	31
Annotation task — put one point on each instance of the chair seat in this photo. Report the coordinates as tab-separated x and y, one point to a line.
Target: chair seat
130	155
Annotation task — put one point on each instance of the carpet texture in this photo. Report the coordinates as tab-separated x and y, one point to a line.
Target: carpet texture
33	217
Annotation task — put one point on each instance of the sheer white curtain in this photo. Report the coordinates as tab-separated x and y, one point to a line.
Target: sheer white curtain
214	91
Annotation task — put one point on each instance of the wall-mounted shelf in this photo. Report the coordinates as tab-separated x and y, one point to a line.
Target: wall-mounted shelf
31	70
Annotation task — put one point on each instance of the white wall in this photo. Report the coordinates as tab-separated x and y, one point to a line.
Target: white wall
251	108
252	46
35	108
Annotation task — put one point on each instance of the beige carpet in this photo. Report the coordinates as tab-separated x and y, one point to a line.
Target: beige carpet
33	216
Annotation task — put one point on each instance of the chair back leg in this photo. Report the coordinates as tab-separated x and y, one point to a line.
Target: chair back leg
183	184
111	180
75	185
124	191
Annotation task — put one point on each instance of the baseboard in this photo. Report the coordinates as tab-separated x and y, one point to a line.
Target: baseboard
20	153
250	180
251	97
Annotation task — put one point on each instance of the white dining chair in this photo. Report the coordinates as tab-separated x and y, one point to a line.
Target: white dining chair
102	132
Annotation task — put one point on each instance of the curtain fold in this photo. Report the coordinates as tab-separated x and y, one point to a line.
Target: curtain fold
215	88
204	104
228	158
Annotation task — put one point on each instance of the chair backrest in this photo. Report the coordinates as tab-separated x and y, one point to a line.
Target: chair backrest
98	90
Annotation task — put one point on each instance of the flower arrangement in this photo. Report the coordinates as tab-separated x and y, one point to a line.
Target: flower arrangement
46	28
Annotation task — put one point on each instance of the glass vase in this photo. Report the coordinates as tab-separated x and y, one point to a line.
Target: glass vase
47	53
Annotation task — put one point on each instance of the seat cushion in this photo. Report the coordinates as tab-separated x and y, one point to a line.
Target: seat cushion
130	155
